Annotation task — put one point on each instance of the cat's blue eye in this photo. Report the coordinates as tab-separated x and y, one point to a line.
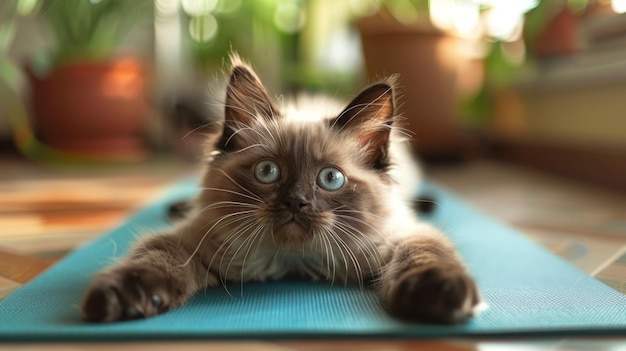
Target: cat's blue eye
267	172
331	179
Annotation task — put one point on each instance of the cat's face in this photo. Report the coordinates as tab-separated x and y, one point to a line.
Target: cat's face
300	183
294	183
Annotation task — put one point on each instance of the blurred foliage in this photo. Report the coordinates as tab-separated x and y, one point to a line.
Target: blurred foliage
12	104
90	29
283	37
8	16
266	32
406	11
499	73
214	32
501	70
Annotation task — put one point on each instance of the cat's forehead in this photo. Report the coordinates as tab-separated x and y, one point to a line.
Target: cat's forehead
307	140
301	136
297	145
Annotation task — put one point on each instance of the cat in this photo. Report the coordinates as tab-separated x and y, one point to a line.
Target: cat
301	191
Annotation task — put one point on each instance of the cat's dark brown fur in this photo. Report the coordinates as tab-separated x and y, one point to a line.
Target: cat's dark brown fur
284	194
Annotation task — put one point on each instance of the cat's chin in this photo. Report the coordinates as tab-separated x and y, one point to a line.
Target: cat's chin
291	234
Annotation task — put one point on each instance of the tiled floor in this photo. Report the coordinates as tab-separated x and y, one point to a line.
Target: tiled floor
581	223
44	213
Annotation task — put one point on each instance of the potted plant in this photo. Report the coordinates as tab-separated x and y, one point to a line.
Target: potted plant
429	65
85	99
453	56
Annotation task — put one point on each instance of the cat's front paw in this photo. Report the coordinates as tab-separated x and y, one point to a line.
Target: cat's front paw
129	292
435	293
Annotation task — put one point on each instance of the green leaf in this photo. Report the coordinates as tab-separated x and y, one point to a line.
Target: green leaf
92	29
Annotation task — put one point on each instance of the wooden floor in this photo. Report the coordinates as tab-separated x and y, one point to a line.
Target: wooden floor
46	212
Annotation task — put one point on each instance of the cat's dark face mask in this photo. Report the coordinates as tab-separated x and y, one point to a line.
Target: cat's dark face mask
295	184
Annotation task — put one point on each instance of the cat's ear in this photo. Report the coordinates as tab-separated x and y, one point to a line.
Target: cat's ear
246	100
369	118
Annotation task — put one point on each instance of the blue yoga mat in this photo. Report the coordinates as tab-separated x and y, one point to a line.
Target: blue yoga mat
529	292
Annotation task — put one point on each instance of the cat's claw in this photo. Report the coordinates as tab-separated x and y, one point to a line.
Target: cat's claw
134	313
157	301
436	293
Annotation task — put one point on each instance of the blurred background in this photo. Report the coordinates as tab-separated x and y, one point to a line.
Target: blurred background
516	106
541	82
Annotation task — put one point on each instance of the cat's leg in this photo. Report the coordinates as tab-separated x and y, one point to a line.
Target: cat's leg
159	274
425	279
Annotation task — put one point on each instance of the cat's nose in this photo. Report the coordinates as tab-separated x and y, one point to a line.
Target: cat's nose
295	203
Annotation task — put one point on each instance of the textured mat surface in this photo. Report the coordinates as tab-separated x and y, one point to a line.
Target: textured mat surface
529	291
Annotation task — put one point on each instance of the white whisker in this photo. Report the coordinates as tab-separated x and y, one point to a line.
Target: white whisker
256	198
232	238
219	220
345	260
330	257
374	230
366	246
355	262
257	233
242	187
196	129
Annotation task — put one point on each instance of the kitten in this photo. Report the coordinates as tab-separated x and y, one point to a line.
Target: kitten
297	191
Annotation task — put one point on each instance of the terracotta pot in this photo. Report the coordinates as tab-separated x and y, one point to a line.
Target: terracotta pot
560	35
430	66
92	108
